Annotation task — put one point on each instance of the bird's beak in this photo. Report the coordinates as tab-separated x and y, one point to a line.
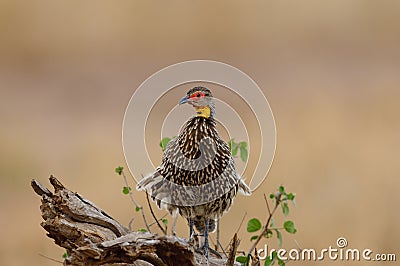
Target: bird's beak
184	100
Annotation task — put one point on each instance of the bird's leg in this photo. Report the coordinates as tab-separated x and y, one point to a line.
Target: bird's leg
175	217
191	231
206	245
205	249
217	244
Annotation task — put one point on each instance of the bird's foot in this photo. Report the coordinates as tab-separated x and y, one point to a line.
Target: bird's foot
205	250
193	239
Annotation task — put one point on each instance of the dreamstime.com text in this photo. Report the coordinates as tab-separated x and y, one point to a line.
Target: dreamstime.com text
341	253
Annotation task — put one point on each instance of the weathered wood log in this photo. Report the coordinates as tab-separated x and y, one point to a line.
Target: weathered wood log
92	237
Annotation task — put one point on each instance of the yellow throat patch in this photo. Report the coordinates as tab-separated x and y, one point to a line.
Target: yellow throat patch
203	111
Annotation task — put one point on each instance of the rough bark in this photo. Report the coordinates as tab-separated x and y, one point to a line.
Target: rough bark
92	237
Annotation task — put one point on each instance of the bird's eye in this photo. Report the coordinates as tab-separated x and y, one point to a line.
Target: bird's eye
197	95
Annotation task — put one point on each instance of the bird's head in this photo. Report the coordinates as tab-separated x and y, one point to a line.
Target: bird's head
202	100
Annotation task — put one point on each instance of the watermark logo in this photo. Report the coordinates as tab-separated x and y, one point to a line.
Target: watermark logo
339	253
242	112
341	242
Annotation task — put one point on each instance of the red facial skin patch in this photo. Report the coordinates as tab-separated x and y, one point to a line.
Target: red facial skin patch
198	94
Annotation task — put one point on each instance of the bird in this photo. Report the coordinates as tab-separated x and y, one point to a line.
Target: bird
197	177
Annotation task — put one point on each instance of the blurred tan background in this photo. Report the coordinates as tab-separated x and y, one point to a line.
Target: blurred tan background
330	71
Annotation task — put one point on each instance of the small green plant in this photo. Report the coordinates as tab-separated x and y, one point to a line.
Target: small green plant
126	190
238	146
270	260
279	198
253	225
164	142
119	170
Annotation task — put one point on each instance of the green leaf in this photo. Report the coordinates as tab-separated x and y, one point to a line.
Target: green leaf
285	208
165	221
119	170
281	262
126	190
235	150
282	189
270	259
253	238
164	142
230	144
242	259
65	255
279	236
289	227
142	230
272	196
253	225
272	223
233	146
137	208
243	151
290	196
243	144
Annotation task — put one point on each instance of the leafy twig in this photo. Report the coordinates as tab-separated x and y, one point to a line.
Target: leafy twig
266	202
265	230
120	170
281	198
241	222
159	219
164	230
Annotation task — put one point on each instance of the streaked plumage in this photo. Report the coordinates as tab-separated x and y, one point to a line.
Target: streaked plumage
197	175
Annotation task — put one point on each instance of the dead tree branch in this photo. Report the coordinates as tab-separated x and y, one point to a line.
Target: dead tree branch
92	237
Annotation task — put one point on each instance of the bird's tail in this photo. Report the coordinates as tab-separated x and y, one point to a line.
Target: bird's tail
155	186
243	187
147	182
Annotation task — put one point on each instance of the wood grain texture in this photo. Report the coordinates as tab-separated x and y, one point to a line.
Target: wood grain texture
92	237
